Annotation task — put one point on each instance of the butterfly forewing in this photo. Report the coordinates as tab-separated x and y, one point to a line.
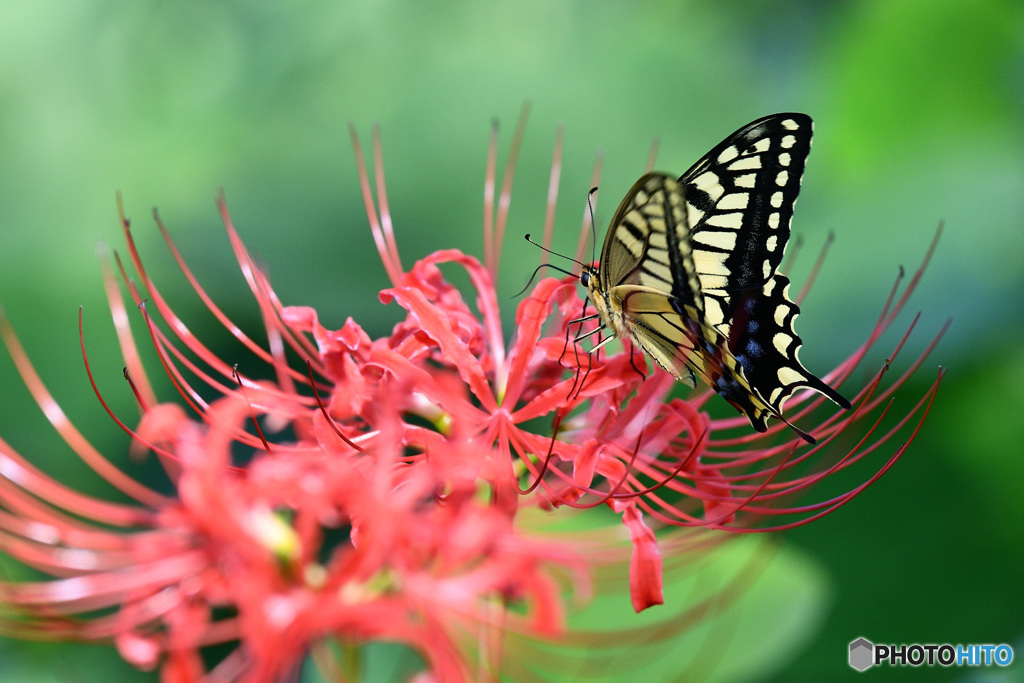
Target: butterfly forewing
648	242
740	197
689	268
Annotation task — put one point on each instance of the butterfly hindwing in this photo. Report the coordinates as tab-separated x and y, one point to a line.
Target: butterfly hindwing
653	319
763	342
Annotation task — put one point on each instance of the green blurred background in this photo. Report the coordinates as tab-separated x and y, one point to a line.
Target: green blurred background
918	106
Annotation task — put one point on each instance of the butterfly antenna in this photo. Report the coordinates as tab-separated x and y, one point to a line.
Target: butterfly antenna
554	253
593	225
537	270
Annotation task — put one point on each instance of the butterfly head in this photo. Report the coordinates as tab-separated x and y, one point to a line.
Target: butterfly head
590	278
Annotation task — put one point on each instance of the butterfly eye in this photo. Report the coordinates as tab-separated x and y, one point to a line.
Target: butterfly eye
585	278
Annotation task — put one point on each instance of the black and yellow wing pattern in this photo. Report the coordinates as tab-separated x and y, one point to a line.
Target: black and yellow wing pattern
689	269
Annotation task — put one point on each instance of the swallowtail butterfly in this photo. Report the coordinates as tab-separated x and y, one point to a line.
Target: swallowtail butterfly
689	269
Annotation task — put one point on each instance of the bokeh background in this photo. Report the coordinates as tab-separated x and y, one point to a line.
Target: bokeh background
918	106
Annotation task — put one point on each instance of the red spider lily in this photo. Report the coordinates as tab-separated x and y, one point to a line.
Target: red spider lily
619	439
388	505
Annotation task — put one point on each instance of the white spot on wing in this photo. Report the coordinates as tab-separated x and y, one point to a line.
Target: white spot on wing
790	124
728	154
712	282
788	141
781	342
746	180
746	163
735	200
712	266
762	145
773	220
776	199
710	183
771	242
784	159
781	311
789	376
693	216
733	221
720	240
713	311
782	178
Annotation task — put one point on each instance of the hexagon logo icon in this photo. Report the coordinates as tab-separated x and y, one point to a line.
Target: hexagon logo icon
862	654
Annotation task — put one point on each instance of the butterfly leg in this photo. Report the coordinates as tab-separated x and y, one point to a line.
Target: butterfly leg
633	363
576	344
580	335
577	384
